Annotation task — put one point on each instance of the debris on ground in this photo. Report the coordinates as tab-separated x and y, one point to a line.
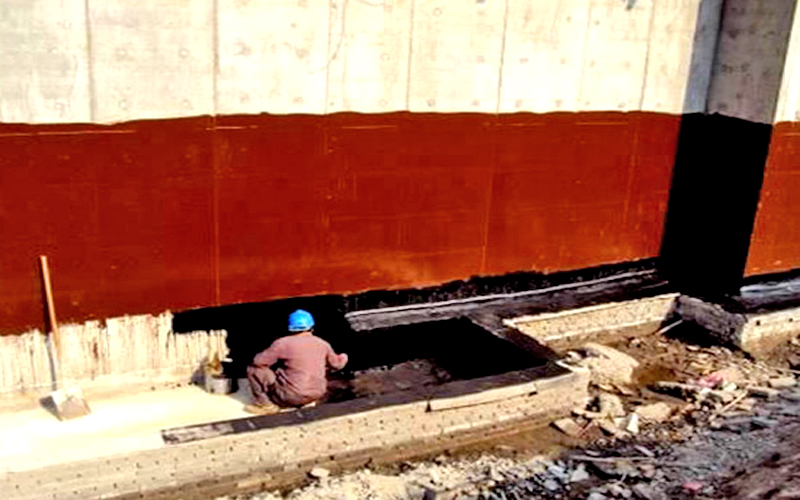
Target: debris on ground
568	426
607	365
654	412
319	473
679	460
781	382
672	420
610	405
763	392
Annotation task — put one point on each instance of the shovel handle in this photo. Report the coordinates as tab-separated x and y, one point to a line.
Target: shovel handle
51	308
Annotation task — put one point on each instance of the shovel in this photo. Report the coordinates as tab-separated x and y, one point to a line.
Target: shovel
68	402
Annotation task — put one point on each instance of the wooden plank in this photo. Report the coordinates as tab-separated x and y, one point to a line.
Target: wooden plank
273	56
670	55
44	71
371	49
543	56
616	53
151	58
455	56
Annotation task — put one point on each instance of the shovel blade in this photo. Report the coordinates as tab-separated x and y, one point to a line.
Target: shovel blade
69	404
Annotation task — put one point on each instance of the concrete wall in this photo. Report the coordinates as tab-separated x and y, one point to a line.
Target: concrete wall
132	351
116	60
44	66
788	107
493	137
750	58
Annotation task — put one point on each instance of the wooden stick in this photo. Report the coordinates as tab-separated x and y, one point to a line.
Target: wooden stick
51	311
727	407
667	328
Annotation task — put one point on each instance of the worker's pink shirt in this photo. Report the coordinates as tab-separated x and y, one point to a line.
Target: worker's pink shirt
305	361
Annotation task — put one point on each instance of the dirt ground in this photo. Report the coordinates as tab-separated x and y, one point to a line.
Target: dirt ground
727	426
381	380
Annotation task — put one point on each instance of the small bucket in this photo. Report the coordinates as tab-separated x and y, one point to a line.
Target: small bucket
218	385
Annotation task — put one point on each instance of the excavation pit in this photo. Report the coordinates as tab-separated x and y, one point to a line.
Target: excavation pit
424	363
423	356
410	390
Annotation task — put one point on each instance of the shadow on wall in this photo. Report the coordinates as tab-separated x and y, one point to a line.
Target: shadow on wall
253	327
720	160
718	172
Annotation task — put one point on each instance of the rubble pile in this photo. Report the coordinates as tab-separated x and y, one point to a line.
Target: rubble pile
441	478
707	383
692	452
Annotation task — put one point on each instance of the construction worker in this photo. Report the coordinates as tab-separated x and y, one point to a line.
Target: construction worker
292	372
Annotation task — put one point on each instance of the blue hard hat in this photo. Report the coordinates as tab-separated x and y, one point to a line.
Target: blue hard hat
300	321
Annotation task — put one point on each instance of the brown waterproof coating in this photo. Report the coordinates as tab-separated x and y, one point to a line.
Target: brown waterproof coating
147	216
776	237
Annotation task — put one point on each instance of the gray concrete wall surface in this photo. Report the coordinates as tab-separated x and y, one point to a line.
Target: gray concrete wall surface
117	60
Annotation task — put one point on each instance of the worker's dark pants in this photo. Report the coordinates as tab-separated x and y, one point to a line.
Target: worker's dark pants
267	389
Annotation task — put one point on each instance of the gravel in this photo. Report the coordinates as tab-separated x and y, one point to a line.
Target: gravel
644	467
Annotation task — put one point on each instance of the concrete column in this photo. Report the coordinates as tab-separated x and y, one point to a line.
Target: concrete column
722	153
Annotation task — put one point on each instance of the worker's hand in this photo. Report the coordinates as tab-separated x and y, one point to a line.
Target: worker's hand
336	361
340	361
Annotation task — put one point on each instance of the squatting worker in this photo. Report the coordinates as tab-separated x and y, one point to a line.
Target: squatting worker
292	371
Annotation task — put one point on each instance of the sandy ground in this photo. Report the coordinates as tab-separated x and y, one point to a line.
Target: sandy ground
36	438
120	424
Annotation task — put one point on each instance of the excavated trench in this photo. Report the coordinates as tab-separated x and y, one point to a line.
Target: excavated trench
396	365
430	371
423	356
423	379
363	325
416	346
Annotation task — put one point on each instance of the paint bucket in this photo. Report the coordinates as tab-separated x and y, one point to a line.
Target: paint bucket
218	385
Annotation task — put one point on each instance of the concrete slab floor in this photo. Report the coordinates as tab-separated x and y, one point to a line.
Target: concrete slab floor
120	424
